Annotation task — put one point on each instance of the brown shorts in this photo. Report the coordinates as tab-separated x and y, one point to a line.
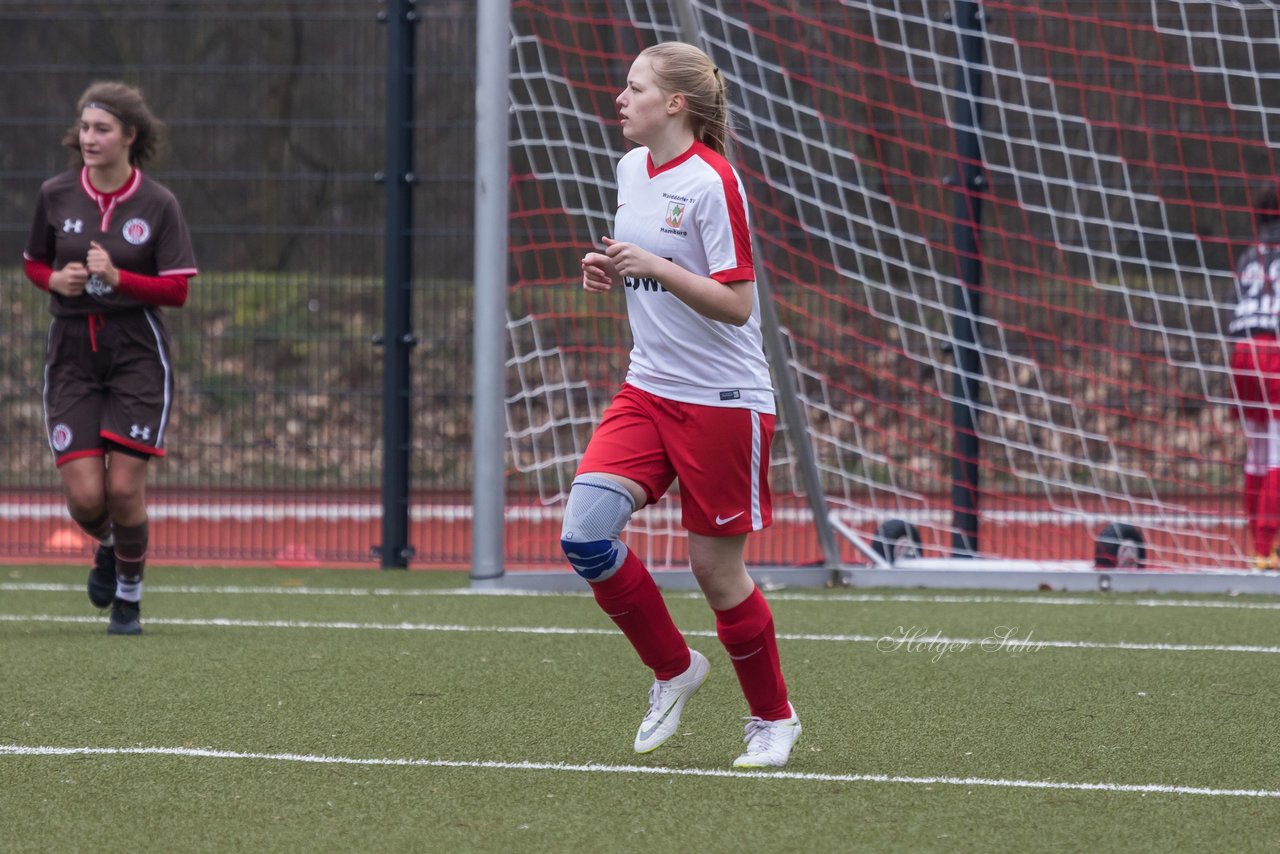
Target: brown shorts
108	380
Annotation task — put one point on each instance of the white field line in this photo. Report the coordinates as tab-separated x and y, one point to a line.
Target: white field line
777	595
595	768
911	642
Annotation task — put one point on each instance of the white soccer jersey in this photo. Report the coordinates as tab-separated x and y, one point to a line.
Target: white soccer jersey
693	211
1258	285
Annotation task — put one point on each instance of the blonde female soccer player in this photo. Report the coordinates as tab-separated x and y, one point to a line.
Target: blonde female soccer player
697	403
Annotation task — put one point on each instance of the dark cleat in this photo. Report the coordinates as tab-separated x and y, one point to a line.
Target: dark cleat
102	578
125	618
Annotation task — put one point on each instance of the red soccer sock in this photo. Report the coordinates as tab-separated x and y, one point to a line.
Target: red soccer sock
746	630
1253	484
1268	513
632	600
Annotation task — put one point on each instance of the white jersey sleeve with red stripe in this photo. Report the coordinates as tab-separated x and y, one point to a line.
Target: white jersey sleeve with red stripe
693	211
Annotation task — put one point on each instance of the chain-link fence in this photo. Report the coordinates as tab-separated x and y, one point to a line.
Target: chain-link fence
276	117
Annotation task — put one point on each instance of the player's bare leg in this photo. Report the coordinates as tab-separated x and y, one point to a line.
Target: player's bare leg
84	485
598	509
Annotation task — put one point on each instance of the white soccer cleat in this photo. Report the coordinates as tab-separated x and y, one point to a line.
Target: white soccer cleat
666	702
769	742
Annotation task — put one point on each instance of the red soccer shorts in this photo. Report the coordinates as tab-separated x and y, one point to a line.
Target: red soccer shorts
721	456
1255	373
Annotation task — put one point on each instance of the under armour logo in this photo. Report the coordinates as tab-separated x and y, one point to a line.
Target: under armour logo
137	432
76	225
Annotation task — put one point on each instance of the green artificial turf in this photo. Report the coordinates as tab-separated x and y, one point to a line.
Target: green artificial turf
337	721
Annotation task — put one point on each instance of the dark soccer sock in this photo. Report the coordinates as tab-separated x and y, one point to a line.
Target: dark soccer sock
631	599
99	529
746	630
131	559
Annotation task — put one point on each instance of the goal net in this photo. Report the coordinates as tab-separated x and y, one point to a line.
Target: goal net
1118	145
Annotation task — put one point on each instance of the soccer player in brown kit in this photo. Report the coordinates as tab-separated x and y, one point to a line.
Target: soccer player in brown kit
111	246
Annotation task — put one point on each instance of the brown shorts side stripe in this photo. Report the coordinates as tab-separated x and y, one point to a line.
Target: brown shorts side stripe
75	455
132	445
107	379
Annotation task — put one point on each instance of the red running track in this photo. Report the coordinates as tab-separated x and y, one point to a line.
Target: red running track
298	529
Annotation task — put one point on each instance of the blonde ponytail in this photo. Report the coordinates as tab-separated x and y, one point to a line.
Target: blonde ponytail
682	69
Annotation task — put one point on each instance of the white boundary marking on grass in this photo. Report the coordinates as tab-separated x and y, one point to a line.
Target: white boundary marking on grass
912	642
781	596
260	590
598	768
954	599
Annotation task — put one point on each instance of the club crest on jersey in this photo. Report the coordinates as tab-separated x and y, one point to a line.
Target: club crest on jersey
675	213
136	231
60	437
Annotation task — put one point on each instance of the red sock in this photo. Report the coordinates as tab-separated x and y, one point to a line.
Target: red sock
1252	495
746	630
631	599
1268	513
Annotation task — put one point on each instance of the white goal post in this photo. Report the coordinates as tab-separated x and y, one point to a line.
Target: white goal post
996	241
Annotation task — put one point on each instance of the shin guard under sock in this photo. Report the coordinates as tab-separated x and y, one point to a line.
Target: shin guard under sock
131	560
99	529
632	600
1268	513
746	630
1253	484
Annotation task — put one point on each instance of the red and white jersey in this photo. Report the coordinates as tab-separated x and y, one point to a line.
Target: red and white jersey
693	211
1258	285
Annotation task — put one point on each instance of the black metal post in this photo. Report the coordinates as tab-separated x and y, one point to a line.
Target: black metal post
400	17
967	294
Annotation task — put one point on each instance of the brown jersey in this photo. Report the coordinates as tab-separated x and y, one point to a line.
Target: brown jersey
141	226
